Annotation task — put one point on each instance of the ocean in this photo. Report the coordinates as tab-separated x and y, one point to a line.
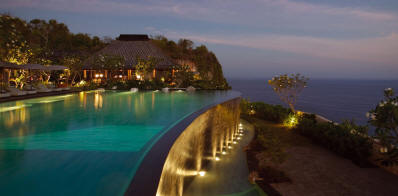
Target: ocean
334	99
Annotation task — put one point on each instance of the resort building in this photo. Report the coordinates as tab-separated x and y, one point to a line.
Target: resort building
131	48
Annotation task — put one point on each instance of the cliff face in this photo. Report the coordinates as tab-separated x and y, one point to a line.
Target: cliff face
201	62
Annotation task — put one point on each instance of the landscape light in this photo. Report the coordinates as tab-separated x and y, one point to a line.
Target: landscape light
223	152
234	142
238	138
202	173
96	75
217	158
101	75
138	77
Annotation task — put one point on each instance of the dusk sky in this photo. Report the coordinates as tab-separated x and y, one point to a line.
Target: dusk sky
251	38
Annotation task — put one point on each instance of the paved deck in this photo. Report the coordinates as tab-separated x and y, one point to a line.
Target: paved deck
229	176
37	95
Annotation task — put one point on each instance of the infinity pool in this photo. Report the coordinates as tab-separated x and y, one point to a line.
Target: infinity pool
88	143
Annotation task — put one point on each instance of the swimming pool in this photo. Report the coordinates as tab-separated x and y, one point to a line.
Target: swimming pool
88	143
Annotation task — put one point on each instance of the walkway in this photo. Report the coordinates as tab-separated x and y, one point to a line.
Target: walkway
229	176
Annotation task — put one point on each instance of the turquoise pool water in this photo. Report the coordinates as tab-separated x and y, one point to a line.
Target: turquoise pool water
88	143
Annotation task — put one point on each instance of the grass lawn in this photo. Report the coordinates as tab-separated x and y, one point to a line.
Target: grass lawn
290	164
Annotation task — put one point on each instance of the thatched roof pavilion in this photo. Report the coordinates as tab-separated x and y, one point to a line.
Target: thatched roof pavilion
131	47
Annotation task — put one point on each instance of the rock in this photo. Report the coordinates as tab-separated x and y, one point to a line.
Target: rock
165	90
191	89
114	87
134	90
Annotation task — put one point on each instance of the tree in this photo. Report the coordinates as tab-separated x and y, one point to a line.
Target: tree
288	87
145	66
385	118
75	65
183	76
113	63
205	61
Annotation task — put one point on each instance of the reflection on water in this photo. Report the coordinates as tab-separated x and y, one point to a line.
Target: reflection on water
97	101
18	114
76	139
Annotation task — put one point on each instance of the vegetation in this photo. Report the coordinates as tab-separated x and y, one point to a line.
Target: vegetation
144	67
288	87
209	69
347	139
51	43
385	118
42	42
267	151
273	113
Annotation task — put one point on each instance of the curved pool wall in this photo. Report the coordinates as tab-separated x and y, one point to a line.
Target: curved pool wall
92	143
187	148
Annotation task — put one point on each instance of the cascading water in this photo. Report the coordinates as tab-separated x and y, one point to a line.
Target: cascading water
206	138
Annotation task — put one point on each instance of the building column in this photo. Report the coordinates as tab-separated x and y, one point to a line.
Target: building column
129	74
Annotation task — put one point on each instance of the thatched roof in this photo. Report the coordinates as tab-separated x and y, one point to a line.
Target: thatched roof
8	65
132	47
42	67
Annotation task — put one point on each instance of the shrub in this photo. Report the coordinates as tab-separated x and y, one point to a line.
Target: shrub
274	113
347	139
385	118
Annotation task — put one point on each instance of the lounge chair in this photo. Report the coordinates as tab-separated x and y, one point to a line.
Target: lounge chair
43	89
29	90
4	95
54	88
16	92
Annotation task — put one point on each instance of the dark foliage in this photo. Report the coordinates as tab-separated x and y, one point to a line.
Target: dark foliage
49	40
346	139
210	70
273	113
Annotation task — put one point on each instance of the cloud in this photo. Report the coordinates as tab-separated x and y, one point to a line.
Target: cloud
207	9
370	50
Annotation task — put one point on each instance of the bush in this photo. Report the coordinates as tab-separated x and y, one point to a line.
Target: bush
273	113
346	139
385	118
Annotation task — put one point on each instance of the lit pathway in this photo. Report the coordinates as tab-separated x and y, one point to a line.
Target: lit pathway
229	176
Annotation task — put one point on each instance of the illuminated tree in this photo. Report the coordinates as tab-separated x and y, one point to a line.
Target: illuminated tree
145	66
183	76
385	118
75	65
288	87
112	63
